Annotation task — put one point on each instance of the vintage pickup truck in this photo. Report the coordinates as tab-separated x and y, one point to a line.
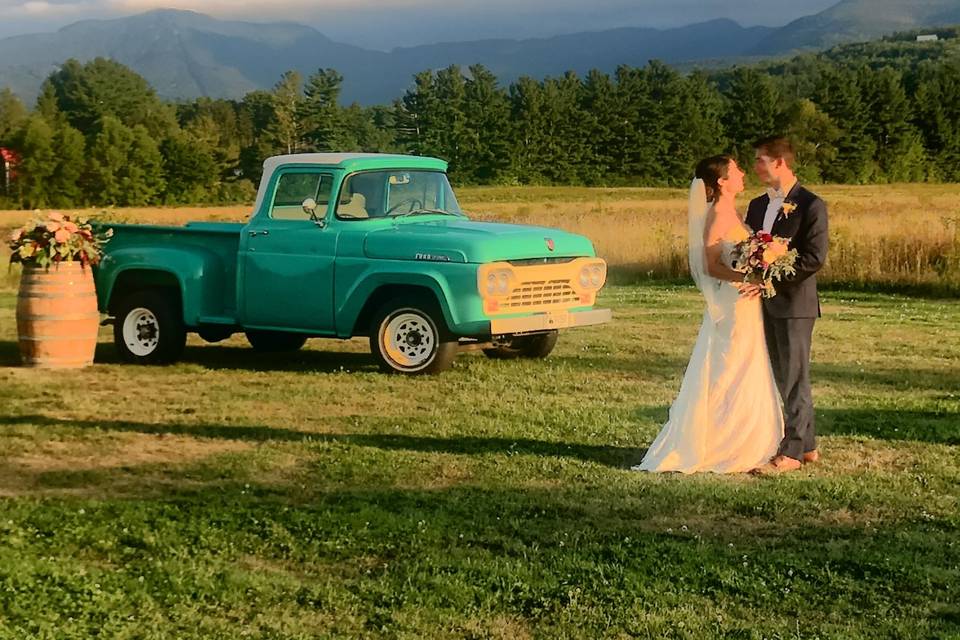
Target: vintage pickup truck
344	245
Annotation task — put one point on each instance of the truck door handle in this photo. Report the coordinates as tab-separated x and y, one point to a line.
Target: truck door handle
254	234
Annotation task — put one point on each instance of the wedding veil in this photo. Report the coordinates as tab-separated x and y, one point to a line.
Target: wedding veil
696	224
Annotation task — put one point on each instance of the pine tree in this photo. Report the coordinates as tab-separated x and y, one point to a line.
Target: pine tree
602	127
899	150
485	158
567	150
937	116
448	119
321	114
755	108
640	125
530	151
840	96
415	116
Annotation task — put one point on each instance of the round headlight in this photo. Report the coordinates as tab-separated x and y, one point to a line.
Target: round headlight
585	277
504	284
491	284
596	276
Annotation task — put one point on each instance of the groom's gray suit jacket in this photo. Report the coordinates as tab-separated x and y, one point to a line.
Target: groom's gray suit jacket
806	227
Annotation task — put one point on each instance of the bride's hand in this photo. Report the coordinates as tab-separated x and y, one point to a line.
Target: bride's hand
748	289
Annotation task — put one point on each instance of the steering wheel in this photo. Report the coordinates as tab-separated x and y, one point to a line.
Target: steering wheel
413	202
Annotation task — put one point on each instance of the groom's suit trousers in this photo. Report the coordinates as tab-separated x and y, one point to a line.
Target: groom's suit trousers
788	341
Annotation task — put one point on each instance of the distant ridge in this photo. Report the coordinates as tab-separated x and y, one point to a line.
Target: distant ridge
185	55
853	20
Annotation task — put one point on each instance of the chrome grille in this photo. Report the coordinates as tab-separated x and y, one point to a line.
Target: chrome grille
541	293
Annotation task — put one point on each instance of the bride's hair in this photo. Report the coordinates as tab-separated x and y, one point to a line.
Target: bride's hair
710	170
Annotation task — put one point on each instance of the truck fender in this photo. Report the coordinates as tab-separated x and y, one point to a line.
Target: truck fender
198	274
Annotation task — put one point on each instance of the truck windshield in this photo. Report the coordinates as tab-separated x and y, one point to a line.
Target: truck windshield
379	194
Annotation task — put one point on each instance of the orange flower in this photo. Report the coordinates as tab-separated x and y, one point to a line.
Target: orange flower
62	236
774	251
16	235
69	226
53	227
56	216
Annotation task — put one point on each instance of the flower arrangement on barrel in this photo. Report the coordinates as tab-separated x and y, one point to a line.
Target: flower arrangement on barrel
57	315
57	238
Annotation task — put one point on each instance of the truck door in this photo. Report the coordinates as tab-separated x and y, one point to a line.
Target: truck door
287	259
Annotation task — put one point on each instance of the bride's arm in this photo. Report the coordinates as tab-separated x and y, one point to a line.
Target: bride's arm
713	247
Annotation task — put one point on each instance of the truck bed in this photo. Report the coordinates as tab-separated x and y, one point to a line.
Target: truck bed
210	249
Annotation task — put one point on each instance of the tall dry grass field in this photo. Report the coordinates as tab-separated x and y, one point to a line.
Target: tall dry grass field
890	235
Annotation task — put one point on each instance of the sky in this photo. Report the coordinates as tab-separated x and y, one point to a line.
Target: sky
384	24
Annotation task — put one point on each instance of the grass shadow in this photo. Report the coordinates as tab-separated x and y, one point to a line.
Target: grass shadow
930	427
9	354
613	456
914	378
229	357
917	426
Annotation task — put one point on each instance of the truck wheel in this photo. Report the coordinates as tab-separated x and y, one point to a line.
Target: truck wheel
148	328
275	341
537	345
411	338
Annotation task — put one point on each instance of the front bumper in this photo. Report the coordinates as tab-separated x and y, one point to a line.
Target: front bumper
550	320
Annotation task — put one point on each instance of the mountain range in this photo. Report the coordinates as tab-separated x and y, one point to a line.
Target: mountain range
185	55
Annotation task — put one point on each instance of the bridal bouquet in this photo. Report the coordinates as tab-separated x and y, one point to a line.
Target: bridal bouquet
763	258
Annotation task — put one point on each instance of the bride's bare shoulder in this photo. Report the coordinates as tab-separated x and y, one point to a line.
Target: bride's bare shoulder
719	222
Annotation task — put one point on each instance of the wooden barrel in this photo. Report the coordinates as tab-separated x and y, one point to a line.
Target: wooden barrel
57	317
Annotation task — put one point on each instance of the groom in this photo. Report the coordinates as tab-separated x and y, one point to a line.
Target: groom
790	211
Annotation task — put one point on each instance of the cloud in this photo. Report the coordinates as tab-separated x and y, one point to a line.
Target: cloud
43	8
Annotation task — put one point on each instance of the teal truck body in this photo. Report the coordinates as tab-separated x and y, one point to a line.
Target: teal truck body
344	245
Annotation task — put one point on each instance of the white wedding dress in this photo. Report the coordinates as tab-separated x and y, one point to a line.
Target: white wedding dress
727	417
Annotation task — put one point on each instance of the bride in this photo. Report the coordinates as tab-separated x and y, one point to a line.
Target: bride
727	416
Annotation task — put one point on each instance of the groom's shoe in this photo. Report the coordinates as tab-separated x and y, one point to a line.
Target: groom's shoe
780	464
811	456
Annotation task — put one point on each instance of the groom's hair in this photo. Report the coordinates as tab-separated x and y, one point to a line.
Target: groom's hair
776	148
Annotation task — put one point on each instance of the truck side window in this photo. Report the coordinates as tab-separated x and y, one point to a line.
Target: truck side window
293	188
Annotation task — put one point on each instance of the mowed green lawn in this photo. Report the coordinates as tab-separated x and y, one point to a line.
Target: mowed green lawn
302	496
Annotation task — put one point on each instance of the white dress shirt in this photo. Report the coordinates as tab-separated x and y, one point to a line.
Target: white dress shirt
777	196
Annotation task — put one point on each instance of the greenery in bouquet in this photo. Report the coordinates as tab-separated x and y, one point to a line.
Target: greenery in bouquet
57	238
763	258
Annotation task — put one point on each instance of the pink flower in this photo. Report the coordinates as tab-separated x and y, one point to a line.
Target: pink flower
56	216
62	236
53	227
69	226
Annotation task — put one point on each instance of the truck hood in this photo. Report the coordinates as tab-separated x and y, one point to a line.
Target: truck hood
459	240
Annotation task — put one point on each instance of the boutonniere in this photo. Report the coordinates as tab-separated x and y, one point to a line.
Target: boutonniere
787	208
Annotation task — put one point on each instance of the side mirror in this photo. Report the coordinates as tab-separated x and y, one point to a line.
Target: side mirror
310	208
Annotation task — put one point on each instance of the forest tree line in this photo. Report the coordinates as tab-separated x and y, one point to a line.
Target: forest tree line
887	111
